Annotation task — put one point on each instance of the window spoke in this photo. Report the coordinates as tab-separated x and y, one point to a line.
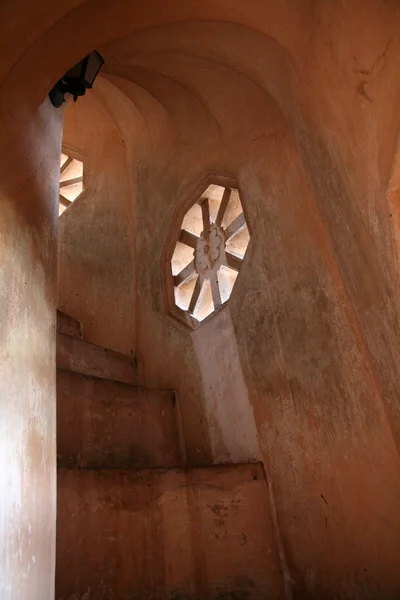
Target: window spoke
235	226
66	165
64	201
232	261
71	181
188	238
216	296
195	296
205	213
223	206
184	274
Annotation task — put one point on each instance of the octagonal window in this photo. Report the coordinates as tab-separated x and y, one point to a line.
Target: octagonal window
71	181
209	251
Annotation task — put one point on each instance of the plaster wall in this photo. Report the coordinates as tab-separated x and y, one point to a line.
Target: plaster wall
106	424
204	533
301	103
308	337
318	408
230	418
96	272
347	143
28	237
324	433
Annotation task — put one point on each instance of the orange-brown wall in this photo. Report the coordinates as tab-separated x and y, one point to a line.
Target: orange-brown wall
311	403
301	104
171	533
96	271
29	171
321	423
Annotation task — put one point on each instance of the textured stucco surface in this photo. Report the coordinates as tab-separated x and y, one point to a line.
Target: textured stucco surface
300	102
107	424
28	237
96	274
171	534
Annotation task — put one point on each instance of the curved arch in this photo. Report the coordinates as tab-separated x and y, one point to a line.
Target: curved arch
231	44
108	26
140	70
199	61
130	89
280	19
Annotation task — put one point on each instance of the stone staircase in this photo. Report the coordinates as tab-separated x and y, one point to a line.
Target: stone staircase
132	524
74	354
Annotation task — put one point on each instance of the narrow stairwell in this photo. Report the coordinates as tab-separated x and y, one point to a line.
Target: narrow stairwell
133	523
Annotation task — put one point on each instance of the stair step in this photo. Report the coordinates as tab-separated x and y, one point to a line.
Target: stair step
68	325
187	533
107	424
82	357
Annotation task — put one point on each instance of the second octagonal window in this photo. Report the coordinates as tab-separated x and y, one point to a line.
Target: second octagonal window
208	254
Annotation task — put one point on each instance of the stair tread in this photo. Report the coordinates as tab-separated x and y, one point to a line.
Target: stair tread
110	424
255	469
89	359
133	387
68	325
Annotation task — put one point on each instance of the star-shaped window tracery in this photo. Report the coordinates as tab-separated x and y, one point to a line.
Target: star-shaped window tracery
208	254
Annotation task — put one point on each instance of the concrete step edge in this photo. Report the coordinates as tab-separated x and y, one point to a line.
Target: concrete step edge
256	468
68	325
74	354
135	386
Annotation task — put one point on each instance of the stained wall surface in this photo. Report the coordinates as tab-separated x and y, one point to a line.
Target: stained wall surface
107	424
301	104
28	245
96	274
205	533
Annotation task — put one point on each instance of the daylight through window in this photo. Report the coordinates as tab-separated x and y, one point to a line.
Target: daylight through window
208	254
71	181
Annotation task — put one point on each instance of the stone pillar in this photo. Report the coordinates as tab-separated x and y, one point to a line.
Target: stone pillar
29	172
